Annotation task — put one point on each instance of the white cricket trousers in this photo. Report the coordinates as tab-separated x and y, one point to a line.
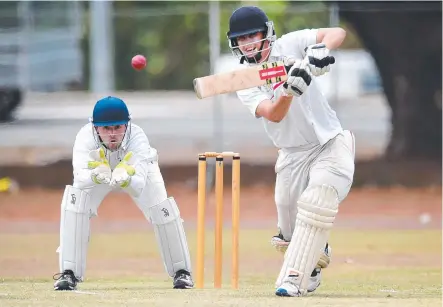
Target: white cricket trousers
298	168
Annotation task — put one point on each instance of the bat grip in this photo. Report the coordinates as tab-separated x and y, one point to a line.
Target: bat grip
331	60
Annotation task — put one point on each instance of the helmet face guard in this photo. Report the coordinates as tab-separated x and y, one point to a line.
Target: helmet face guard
249	20
117	141
269	35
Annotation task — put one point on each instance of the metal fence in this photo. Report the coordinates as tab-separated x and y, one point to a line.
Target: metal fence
40	45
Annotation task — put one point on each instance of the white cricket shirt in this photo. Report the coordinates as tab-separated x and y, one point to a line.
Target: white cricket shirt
310	119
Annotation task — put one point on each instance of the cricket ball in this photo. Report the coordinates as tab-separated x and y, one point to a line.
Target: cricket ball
138	62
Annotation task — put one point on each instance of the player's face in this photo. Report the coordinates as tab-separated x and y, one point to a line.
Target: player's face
112	136
250	44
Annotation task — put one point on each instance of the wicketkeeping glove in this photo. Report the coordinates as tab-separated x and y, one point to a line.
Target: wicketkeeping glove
101	171
121	176
319	59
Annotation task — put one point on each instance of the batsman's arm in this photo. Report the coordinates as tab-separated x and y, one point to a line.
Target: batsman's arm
331	37
276	110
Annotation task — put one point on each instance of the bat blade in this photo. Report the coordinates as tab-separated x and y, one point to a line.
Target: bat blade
244	78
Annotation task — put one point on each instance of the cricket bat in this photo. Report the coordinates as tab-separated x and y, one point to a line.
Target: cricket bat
244	78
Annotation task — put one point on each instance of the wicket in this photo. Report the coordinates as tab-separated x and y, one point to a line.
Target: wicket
218	217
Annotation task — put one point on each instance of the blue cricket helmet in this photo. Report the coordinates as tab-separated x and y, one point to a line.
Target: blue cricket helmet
110	111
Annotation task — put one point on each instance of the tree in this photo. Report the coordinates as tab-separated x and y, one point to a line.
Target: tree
174	36
405	39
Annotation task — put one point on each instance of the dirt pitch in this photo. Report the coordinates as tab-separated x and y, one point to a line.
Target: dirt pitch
386	252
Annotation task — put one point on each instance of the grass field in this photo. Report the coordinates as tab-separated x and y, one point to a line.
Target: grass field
368	268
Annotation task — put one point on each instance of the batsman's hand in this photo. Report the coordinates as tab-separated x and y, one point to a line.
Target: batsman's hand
299	77
121	176
101	171
317	56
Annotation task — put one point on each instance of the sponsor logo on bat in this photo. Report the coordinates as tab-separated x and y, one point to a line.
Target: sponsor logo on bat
272	72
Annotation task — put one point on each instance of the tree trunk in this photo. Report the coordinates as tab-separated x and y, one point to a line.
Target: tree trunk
405	40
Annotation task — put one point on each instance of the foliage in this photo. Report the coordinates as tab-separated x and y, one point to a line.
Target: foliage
174	36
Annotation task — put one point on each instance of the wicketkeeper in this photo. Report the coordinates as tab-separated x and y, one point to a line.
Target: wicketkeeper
111	153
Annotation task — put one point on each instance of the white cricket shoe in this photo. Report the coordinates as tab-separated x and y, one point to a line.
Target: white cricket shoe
314	280
289	287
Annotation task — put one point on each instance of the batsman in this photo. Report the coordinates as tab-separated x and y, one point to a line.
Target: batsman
111	153
315	164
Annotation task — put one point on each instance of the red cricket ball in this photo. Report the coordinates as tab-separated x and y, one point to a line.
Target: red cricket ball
138	62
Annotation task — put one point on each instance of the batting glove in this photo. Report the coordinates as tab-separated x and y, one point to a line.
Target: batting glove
101	171
319	60
121	176
299	78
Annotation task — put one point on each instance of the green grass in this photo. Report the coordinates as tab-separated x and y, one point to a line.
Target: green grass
368	268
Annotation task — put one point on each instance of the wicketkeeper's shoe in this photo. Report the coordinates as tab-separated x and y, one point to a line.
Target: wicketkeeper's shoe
65	281
183	280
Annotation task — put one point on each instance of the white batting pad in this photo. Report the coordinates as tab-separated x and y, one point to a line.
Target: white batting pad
170	234
74	231
317	208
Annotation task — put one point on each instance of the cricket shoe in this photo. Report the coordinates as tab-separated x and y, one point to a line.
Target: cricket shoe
183	280
65	281
279	243
314	280
290	287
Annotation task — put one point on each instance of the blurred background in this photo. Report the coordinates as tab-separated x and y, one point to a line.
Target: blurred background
57	58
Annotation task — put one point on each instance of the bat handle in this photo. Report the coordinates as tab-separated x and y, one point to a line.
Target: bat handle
331	60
